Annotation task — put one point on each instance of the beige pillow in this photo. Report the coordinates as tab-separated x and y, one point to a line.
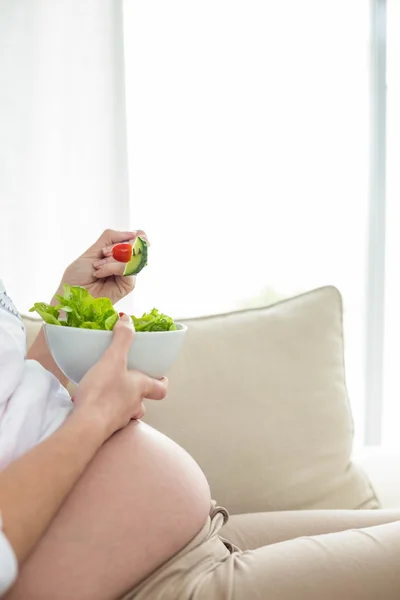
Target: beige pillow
259	399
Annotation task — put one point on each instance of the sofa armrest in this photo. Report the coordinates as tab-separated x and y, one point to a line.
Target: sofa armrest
382	466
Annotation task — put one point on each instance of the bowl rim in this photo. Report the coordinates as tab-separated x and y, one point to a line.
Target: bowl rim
180	328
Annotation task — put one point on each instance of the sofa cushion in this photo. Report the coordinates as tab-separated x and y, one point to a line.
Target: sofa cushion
259	399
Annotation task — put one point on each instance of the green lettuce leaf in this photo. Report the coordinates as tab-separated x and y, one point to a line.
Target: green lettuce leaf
48	318
83	311
110	322
47	312
154	321
89	325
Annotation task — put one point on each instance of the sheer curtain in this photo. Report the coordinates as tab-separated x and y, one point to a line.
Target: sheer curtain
248	146
391	405
248	152
63	176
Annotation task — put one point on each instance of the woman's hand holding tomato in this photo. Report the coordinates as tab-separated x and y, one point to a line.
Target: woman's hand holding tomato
100	269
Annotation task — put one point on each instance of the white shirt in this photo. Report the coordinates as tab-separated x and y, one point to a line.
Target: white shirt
33	404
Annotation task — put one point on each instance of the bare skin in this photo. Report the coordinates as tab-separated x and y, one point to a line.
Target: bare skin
97	516
141	500
34	486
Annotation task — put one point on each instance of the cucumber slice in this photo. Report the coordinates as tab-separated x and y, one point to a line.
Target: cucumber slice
139	257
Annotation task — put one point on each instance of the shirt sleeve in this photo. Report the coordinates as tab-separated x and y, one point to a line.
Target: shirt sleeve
12	352
8	563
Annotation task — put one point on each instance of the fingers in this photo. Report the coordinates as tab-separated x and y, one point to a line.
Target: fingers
110	236
123	334
107	249
107	267
154	389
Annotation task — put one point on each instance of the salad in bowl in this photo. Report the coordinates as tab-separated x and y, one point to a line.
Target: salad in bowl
79	329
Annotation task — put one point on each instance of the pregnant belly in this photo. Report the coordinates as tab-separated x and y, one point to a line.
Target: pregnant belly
141	500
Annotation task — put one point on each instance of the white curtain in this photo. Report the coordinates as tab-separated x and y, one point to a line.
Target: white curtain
63	176
391	406
248	152
248	138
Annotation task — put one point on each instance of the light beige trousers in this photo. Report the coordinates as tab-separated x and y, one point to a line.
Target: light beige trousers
304	555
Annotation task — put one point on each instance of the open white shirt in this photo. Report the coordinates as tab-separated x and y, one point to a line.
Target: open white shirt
33	404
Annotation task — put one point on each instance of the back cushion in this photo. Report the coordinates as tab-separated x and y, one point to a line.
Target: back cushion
259	399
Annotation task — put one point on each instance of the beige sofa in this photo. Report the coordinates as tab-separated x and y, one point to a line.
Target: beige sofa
259	399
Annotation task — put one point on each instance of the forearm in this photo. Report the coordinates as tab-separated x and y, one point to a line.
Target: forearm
33	487
39	351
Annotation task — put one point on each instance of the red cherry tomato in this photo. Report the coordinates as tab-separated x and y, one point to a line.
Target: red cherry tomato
122	253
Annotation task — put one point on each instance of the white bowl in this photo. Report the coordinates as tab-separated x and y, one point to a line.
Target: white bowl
76	350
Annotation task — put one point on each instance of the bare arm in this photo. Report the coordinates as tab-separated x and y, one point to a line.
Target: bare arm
33	487
39	351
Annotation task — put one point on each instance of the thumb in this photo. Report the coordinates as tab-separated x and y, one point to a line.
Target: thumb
123	334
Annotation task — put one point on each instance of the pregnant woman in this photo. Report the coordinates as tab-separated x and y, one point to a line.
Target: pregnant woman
105	507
